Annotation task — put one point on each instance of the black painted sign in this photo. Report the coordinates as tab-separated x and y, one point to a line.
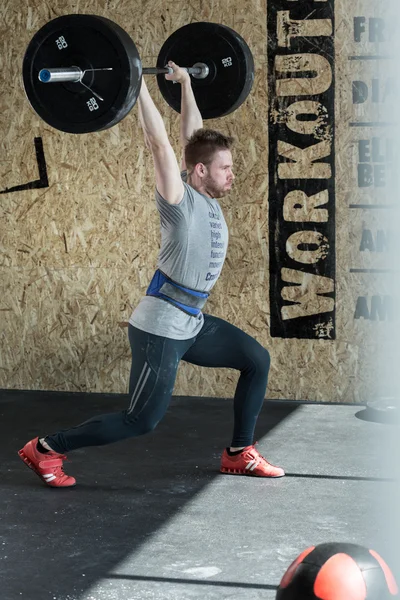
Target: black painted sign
301	85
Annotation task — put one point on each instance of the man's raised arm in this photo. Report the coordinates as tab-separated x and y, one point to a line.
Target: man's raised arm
168	180
191	119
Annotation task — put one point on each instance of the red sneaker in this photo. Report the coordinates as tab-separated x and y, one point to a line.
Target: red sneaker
249	462
47	465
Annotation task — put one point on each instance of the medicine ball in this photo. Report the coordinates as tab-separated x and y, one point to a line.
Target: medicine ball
338	571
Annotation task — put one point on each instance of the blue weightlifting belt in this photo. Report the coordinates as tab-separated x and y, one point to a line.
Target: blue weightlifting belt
190	301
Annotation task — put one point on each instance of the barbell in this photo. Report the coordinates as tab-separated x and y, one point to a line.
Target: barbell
83	73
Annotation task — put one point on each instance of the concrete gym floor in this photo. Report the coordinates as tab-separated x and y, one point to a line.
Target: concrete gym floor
152	518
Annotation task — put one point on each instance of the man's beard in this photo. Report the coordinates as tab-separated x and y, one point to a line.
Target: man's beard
213	189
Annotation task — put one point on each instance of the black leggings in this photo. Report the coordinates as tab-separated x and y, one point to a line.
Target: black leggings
155	361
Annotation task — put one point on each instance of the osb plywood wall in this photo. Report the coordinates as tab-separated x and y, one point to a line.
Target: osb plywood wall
78	255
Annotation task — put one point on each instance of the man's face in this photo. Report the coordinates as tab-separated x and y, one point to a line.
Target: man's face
219	176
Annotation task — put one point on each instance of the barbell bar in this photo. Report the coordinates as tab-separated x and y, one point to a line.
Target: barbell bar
75	74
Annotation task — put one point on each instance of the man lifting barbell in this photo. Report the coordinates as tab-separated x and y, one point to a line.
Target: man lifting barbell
168	325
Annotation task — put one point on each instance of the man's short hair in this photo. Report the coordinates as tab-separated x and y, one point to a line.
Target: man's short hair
203	145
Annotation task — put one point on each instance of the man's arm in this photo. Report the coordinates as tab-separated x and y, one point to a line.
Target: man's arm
191	119
168	179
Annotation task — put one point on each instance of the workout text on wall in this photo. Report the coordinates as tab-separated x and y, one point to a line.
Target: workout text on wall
301	168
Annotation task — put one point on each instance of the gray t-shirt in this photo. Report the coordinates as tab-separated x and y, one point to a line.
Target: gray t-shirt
194	241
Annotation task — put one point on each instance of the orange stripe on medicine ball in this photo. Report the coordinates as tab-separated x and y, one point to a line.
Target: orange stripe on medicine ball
390	580
340	578
288	576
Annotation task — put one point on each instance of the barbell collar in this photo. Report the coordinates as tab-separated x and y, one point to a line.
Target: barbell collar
66	74
73	74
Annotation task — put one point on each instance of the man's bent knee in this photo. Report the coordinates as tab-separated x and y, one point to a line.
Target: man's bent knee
140	424
265	358
259	359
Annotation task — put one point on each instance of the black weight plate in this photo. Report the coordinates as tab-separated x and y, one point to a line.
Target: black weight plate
88	42
228	57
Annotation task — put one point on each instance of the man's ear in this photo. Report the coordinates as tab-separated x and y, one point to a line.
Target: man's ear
201	169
